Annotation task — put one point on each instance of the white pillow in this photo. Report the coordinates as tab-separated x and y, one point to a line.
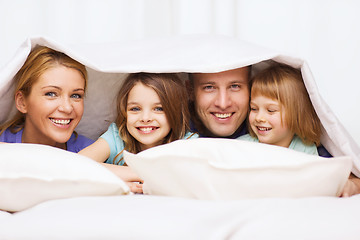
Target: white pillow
32	173
225	169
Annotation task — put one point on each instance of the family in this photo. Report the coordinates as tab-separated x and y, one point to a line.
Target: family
272	107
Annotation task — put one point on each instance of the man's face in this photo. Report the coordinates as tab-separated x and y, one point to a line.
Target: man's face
222	100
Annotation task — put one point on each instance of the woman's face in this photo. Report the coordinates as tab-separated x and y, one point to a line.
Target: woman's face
54	107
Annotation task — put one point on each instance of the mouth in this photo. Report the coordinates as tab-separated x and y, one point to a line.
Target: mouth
61	121
223	115
263	128
146	129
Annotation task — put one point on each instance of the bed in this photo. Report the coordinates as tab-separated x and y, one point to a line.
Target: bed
208	192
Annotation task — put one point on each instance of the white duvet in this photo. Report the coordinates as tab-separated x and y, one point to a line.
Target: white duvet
160	217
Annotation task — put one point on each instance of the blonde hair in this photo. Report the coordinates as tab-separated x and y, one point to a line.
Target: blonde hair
173	97
40	60
285	84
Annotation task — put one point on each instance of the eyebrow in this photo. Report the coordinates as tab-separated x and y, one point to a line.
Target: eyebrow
57	87
51	86
136	103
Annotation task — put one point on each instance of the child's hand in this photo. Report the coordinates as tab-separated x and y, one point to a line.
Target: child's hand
135	187
352	187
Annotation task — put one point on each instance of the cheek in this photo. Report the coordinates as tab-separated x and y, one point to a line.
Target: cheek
164	120
251	117
79	108
202	100
130	119
278	121
41	107
241	100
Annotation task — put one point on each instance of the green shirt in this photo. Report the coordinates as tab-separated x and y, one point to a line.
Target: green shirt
296	144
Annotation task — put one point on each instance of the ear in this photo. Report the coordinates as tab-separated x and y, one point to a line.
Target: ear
20	102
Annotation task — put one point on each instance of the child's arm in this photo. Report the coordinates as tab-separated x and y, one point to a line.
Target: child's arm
100	151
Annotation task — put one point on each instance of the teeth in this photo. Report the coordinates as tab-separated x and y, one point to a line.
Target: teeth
147	129
264	128
223	115
60	121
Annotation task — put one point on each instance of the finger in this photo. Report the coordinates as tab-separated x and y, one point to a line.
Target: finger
135	187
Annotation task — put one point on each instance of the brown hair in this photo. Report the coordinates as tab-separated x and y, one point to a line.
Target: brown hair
173	97
40	60
285	84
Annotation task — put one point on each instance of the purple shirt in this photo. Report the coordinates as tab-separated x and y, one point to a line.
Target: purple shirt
75	144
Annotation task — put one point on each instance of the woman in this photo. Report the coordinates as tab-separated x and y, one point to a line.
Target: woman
49	96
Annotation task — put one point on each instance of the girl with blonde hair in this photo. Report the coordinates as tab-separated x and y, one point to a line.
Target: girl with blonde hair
281	112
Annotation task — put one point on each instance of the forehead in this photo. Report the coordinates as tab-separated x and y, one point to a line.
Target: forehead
61	76
263	100
141	92
240	75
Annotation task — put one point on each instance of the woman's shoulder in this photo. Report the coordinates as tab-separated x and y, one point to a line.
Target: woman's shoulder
10	137
77	142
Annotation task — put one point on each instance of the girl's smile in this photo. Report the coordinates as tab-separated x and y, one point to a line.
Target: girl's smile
146	119
267	121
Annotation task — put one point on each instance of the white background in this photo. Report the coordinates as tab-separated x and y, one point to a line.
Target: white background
326	33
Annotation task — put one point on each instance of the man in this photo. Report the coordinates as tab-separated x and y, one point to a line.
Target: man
219	105
219	102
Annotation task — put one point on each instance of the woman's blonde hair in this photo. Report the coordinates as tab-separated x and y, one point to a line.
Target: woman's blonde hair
40	60
285	84
173	97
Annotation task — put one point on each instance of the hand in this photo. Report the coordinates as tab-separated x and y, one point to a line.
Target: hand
135	187
123	172
352	187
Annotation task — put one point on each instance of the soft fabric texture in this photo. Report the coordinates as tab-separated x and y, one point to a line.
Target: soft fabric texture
140	217
117	145
33	173
295	144
75	144
154	217
227	169
109	63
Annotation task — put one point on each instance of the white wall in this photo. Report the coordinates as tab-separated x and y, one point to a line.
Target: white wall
324	32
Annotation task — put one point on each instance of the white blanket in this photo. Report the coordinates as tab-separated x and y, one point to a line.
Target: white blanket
107	63
155	217
151	217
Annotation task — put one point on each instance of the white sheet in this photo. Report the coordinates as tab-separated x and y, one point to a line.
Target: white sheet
151	217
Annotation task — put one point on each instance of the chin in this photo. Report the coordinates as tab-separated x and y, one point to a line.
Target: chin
63	138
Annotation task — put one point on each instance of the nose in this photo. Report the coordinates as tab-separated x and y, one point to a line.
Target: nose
146	116
223	99
65	105
259	117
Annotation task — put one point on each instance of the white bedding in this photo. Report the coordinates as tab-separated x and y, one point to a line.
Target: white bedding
160	217
153	217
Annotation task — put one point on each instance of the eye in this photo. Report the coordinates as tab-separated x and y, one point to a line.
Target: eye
50	94
253	109
208	88
134	109
76	95
159	109
235	86
272	110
